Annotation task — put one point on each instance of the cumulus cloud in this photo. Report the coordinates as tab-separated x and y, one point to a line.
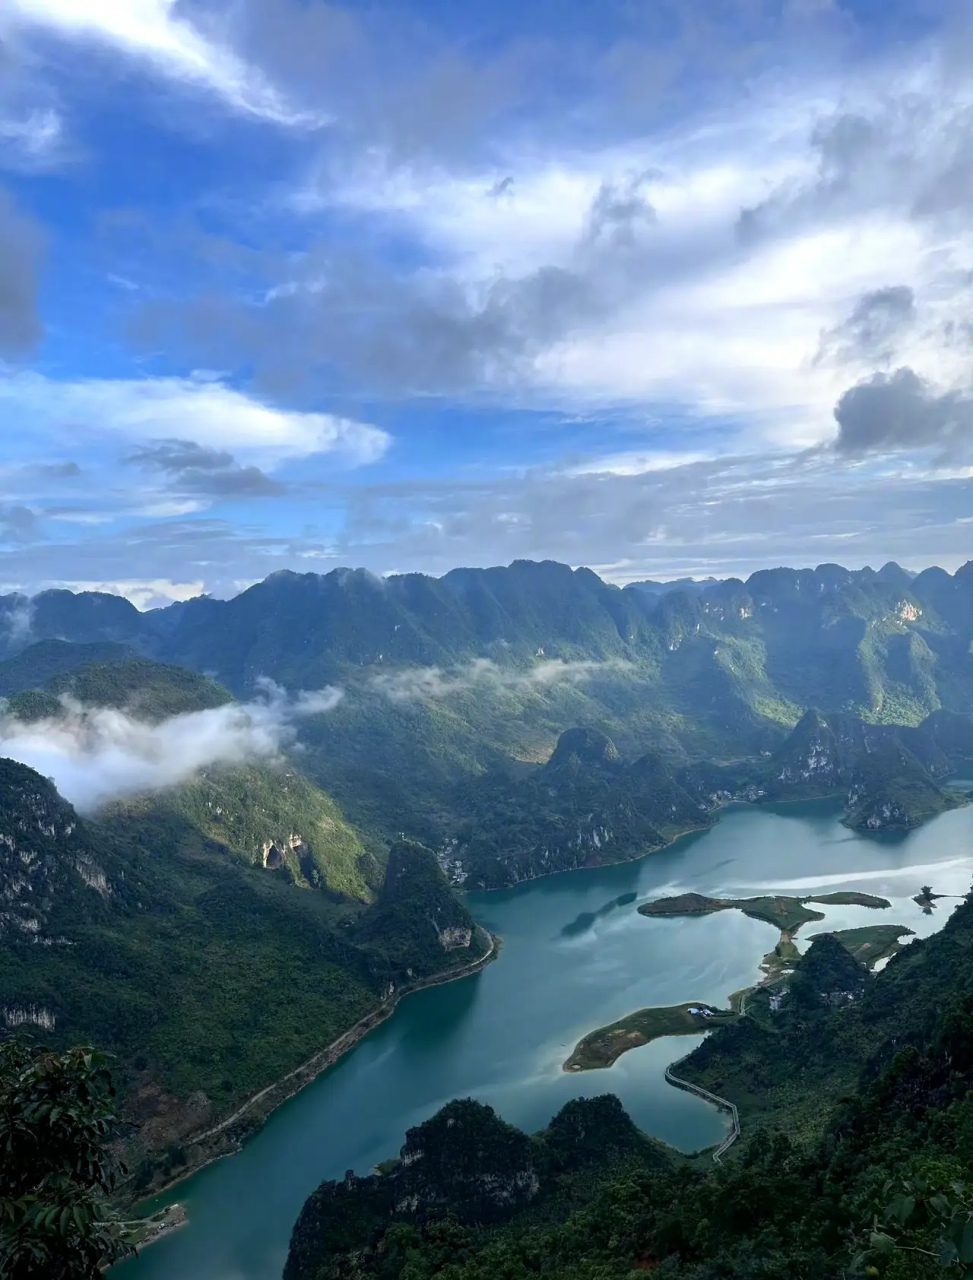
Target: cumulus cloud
191	468
96	754
902	411
483	673
216	415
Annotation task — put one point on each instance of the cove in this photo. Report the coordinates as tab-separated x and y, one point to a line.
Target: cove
576	955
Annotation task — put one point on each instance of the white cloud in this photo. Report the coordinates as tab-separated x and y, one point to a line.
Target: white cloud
154	31
205	411
31	139
482	673
693	312
96	755
144	593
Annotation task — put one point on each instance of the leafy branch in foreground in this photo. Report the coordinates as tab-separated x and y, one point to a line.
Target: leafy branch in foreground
924	1218
57	1122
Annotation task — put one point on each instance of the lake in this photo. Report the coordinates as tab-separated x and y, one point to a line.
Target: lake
575	955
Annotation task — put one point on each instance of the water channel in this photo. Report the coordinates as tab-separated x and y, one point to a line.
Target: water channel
575	955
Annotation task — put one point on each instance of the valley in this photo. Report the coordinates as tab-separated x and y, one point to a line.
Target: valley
283	812
576	954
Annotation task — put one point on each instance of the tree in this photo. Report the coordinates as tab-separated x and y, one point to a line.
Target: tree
57	1121
925	891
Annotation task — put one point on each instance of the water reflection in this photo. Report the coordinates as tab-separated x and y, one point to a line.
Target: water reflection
576	955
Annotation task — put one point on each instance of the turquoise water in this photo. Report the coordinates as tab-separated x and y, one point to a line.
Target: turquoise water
576	955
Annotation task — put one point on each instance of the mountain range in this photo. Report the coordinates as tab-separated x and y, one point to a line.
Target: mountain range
482	728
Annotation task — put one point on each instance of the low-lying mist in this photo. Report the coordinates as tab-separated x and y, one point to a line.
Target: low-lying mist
98	754
483	673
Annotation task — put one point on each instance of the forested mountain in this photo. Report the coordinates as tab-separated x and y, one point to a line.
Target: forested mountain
856	1106
213	934
887	645
455	680
486	727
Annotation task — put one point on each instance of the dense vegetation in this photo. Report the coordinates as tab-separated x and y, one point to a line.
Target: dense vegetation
585	806
716	672
856	1160
216	934
208	978
57	1168
270	816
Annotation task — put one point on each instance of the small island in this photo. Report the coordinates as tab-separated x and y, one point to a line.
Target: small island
605	1046
869	944
786	913
927	899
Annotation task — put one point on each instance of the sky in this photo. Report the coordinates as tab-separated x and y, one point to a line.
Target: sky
661	287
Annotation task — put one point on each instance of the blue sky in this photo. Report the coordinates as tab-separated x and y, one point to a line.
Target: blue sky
657	287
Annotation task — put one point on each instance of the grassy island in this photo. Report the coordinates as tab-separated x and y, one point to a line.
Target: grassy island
605	1046
785	913
868	944
872	942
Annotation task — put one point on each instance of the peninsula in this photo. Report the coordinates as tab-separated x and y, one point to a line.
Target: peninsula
870	944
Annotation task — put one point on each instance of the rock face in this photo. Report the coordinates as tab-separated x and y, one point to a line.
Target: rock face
418	924
49	872
888	772
464	1163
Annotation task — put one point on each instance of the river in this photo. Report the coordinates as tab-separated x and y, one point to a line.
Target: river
576	955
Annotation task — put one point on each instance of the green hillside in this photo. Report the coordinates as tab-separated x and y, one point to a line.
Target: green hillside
270	816
208	978
856	1104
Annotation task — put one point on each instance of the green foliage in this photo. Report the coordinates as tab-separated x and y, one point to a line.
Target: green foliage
149	690
271	816
878	1185
603	1047
208	978
57	1123
418	926
38	663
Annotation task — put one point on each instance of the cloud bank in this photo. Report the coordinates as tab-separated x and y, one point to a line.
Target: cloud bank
482	673
96	755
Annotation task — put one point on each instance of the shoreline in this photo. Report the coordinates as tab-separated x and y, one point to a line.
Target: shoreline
598	866
301	1076
717	810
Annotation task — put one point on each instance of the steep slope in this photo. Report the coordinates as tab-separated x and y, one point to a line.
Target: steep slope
452	682
417	926
582	808
207	978
586	806
34	666
465	1165
862	1165
886	783
51	872
266	814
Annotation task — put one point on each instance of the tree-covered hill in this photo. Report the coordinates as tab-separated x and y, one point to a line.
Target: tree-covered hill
587	806
856	1100
207	977
266	812
451	680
